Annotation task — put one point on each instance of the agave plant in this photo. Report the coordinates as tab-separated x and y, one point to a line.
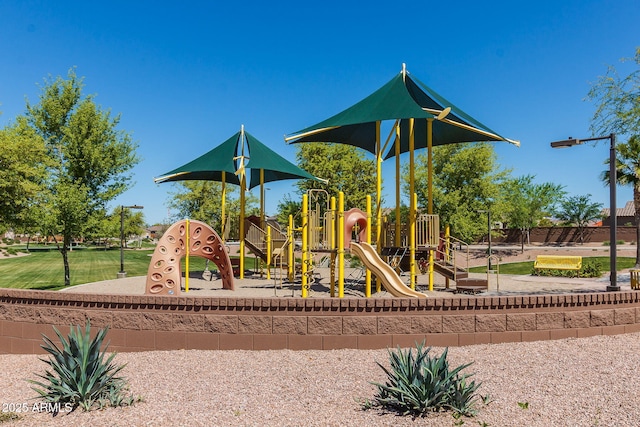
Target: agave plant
417	384
80	373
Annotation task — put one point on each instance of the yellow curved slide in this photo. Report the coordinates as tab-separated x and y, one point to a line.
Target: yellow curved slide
383	271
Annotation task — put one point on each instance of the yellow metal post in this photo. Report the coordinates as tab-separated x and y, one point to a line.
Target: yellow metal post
269	255
413	206
242	201
290	255
378	189
412	245
223	197
430	165
341	245
396	242
333	245
186	277
430	191
367	282
305	244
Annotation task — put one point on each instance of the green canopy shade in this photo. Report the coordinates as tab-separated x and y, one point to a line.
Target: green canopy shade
209	166
276	167
402	98
454	127
357	124
223	158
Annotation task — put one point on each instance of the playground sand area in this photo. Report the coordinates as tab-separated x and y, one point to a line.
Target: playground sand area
256	285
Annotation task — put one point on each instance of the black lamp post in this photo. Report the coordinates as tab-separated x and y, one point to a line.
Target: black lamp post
122	273
488	212
613	214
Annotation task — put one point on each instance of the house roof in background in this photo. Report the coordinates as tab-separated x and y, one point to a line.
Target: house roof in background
627	210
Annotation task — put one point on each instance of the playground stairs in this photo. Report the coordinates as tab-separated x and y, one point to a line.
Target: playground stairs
471	286
449	270
464	283
255	240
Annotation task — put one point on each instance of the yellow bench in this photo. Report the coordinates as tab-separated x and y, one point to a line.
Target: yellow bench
558	262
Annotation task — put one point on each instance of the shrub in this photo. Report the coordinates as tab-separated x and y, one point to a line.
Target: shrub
79	374
419	384
590	268
354	262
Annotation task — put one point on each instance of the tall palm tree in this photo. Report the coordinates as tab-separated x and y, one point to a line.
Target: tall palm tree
628	171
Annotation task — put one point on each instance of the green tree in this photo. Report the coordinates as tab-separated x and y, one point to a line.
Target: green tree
202	200
91	158
579	211
345	168
287	206
617	102
466	179
22	172
524	203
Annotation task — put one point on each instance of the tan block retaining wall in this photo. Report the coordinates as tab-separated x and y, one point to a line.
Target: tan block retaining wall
141	323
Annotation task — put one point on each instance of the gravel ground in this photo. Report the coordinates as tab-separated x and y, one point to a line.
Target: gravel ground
574	382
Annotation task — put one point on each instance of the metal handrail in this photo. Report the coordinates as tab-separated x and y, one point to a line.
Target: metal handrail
452	256
494	262
279	254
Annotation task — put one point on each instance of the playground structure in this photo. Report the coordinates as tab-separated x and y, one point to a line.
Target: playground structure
423	120
328	230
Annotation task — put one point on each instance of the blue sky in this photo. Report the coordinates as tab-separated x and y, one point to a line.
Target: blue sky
186	75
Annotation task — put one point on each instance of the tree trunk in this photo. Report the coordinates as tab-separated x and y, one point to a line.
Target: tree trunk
636	205
581	234
66	242
65	257
65	261
522	240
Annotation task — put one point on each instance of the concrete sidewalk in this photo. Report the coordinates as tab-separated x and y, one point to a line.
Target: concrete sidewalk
255	286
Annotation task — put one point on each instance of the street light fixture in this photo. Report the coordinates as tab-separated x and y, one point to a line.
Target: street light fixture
122	274
613	214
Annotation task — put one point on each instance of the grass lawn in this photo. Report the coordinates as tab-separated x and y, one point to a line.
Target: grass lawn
44	270
526	267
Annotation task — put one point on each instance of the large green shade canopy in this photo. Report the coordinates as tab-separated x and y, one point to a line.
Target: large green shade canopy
402	98
229	157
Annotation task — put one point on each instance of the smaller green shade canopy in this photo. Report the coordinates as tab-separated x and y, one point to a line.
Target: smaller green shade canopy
209	166
276	167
